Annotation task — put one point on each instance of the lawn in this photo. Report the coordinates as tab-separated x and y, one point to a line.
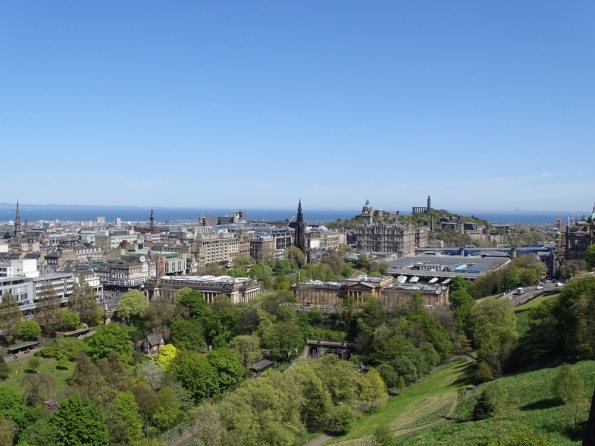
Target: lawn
528	401
535	302
17	371
420	404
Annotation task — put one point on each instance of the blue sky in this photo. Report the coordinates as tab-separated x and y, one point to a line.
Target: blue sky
482	105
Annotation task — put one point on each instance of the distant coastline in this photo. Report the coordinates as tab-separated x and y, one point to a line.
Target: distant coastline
80	213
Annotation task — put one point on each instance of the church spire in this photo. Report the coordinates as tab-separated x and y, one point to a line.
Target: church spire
17	223
300	229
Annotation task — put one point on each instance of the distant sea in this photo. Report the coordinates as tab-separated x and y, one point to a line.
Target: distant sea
162	214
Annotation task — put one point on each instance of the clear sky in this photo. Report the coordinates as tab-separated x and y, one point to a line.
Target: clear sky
251	104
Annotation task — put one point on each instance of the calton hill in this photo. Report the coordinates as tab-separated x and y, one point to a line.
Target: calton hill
186	372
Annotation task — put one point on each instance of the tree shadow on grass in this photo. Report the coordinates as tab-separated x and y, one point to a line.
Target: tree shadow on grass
576	432
543	404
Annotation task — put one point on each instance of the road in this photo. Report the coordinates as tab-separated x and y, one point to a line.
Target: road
530	293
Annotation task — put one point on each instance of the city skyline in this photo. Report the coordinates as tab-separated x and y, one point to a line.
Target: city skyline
482	106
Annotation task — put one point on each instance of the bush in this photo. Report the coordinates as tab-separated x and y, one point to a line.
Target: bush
489	401
388	374
70	321
68	348
30	330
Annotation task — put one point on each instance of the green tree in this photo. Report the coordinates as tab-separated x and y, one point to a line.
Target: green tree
48	312
228	367
33	364
567	384
6	431
167	412
10	317
82	302
513	277
4	369
30	330
133	304
87	381
484	372
263	273
69	348
166	356
12	407
457	284
188	334
383	436
70	321
147	401
107	338
124	422
40	433
196	374
246	348
79	423
489	402
388	374
493	323
590	257
461	303
37	388
192	303
296	257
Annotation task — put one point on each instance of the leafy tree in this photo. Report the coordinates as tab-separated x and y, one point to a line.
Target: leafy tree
37	388
147	401
69	348
159	315
10	317
263	273
41	433
246	348
489	401
107	338
374	385
389	376
6	431
484	372
113	371
48	312
82	302
341	418
373	315
12	407
590	256
457	284
401	383
461	303
492	323
567	384
33	363
196	374
78	422
30	330
166	355
124	422
133	304
513	277
152	373
296	257
228	367
187	334
70	321
4	369
383	436
167	412
193	303
87	381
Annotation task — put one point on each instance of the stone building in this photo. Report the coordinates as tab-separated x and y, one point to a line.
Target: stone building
400	238
329	294
578	236
239	289
220	248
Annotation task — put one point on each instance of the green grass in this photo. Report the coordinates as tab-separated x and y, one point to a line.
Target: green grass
420	403
528	401
535	302
46	366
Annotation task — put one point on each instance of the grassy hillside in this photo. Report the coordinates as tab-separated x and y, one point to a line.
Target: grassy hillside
419	405
529	401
